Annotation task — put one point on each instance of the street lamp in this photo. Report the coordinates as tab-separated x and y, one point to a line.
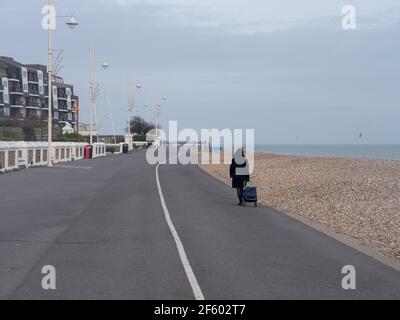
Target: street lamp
130	109
105	66
157	111
72	23
158	114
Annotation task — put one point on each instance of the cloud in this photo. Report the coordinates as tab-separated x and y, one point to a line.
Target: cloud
220	60
261	16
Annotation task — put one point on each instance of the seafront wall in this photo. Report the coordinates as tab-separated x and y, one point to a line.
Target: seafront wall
15	155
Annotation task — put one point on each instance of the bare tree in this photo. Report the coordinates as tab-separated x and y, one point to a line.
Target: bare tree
140	126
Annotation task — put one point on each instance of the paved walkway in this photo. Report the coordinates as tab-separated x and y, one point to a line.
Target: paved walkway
102	225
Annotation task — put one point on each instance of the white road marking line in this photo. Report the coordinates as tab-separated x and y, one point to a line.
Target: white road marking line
185	262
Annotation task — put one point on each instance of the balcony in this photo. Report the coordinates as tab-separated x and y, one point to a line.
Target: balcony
16	90
62	96
32	107
4	112
32	78
17	115
34	91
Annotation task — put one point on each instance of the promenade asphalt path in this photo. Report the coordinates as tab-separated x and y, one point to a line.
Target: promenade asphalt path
101	224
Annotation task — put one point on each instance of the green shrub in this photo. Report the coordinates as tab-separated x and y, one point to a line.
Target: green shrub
139	137
70	137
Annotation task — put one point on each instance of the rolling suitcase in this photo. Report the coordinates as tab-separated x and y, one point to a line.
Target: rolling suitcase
250	195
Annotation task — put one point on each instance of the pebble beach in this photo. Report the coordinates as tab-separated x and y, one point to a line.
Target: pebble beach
359	198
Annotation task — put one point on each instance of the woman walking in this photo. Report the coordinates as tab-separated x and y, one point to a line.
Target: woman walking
239	173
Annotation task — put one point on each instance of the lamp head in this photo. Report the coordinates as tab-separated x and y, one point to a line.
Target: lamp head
105	65
72	23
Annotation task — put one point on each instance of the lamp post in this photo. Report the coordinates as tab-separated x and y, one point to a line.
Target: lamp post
105	66
111	116
131	109
71	23
96	94
158	115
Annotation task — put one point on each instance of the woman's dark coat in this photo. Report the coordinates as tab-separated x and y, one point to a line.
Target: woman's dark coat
238	180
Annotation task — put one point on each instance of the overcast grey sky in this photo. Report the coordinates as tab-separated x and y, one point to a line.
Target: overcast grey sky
283	67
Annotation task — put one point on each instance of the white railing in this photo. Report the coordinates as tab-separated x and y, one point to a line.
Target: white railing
99	150
14	155
140	144
118	148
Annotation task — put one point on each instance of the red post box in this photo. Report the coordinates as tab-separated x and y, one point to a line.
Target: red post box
88	152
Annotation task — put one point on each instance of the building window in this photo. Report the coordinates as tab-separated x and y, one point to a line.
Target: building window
56	115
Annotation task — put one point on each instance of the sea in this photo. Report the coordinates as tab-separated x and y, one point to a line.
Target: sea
387	152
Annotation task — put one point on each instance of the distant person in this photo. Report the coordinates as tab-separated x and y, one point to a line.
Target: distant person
238	172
